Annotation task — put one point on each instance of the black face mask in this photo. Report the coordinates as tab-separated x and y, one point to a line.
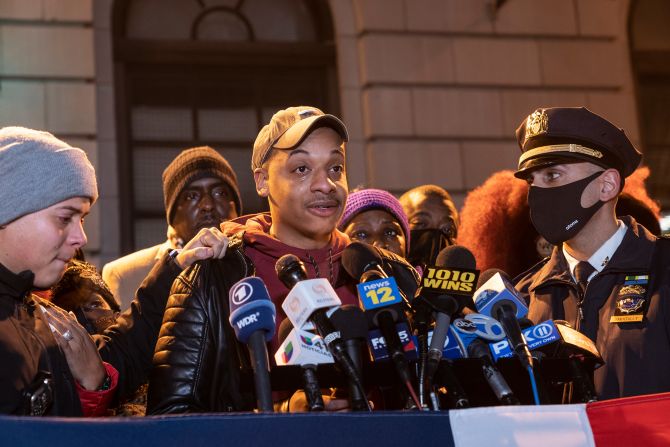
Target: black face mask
98	325
557	213
425	245
105	321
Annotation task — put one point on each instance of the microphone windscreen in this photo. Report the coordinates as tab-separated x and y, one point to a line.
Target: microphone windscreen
488	274
456	256
564	323
285	262
358	257
251	309
350	321
290	270
525	323
284	329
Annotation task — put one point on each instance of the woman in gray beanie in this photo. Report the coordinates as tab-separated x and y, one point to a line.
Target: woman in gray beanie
51	366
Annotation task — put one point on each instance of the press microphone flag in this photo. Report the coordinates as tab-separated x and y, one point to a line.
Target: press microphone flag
253	318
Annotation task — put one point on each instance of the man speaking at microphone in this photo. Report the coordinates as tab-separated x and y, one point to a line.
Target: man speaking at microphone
607	277
298	163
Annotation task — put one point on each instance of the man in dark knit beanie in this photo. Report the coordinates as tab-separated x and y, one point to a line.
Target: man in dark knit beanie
192	167
200	190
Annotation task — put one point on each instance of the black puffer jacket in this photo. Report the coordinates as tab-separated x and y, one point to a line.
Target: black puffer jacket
197	358
27	347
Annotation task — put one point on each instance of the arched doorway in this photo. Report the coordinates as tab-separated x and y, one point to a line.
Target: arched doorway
208	72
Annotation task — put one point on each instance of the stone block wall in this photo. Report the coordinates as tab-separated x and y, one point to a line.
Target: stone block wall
47	78
441	85
431	90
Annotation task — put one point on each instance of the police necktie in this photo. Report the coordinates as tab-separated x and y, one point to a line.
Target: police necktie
583	271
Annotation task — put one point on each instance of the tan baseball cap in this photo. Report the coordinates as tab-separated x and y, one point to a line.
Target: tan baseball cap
289	127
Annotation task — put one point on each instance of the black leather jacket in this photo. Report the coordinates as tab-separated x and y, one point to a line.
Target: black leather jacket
197	358
194	366
129	344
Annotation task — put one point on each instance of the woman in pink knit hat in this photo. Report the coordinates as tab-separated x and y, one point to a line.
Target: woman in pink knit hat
376	217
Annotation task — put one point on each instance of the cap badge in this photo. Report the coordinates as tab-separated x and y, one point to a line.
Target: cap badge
536	123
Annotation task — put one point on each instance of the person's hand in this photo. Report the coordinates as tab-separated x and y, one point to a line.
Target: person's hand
208	243
77	345
298	403
335	404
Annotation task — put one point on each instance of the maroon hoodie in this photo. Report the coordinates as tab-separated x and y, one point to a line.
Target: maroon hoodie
264	251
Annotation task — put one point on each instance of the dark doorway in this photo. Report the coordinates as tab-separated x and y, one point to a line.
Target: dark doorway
650	55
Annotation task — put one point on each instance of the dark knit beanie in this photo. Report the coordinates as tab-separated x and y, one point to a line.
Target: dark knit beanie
194	164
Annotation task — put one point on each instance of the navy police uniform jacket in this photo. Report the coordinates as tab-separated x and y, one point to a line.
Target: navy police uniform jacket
634	285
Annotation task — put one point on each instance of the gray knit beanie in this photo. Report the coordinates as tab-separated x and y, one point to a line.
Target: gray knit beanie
37	170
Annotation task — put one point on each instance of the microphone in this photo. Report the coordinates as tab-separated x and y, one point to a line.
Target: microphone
481	326
352	324
558	340
466	332
383	304
577	343
299	347
379	350
497	298
445	290
252	316
308	300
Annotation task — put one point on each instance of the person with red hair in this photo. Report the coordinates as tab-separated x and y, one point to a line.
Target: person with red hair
635	201
496	226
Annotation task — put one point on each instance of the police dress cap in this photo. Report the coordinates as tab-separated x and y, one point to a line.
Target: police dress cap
572	134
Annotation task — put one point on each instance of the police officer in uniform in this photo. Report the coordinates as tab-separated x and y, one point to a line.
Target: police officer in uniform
606	276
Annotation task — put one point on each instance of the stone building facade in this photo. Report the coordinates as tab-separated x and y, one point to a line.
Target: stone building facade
431	90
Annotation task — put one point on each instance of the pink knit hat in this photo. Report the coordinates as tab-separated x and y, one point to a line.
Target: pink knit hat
374	199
